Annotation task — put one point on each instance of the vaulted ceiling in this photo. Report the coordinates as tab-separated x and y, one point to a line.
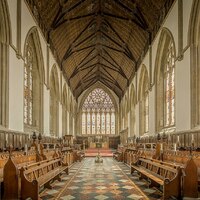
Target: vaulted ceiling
99	40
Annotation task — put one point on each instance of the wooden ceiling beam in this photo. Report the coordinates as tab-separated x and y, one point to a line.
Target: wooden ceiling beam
101	64
109	62
114	80
129	56
81	49
65	11
91	36
110	79
72	19
125	19
89	84
107	85
111	39
87	67
80	83
120	68
76	68
84	64
89	78
78	36
135	13
125	45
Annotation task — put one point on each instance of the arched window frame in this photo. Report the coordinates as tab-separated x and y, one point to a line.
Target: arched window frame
165	82
33	82
98	102
169	87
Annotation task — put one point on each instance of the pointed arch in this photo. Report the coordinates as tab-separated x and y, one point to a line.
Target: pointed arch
98	114
54	102
33	82
164	76
5	40
33	32
144	101
100	85
194	41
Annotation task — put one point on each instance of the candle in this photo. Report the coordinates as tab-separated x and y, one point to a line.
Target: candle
178	138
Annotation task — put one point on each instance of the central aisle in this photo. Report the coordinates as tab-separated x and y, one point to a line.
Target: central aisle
90	180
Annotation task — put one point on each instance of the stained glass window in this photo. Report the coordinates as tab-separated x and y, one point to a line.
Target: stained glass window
113	123
101	113
93	123
169	87
28	87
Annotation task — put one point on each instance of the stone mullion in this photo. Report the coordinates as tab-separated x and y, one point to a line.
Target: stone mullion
90	121
105	123
100	122
95	122
85	123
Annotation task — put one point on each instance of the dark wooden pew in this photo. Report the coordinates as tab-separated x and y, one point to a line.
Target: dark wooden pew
169	177
32	178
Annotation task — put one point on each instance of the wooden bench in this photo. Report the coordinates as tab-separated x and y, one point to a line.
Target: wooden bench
11	174
33	178
189	165
118	155
78	155
158	174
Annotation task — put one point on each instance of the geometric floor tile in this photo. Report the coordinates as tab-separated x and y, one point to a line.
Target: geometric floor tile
135	197
68	197
101	197
110	180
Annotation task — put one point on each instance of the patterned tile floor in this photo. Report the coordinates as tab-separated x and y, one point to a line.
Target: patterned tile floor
100	181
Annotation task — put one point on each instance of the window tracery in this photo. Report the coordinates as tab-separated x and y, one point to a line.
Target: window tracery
28	87
98	113
169	87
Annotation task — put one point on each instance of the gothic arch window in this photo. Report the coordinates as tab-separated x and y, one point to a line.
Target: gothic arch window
33	85
169	88
54	102
144	101
98	113
5	37
165	82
